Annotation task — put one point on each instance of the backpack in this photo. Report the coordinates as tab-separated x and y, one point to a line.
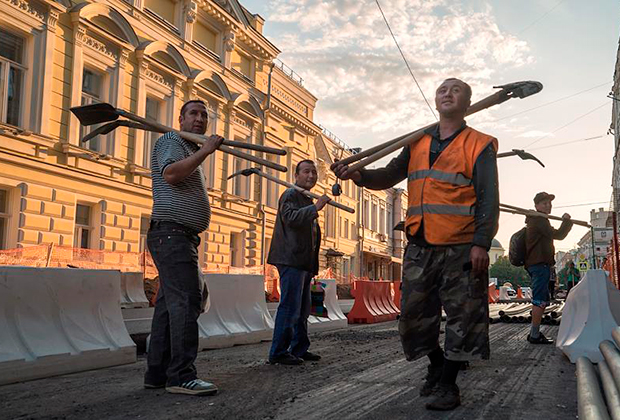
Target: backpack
516	249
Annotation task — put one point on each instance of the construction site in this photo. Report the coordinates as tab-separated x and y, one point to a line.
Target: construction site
177	221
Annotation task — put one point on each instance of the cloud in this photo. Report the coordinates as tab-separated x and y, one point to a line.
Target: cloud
344	52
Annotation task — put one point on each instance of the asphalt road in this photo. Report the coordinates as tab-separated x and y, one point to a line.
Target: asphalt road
363	375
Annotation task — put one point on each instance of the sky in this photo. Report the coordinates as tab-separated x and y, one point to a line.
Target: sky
348	60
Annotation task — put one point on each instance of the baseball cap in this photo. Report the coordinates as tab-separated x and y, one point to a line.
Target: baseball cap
541	196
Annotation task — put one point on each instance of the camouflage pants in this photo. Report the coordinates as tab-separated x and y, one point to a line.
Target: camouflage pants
435	277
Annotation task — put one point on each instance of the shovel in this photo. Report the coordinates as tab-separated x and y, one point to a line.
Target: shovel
104	112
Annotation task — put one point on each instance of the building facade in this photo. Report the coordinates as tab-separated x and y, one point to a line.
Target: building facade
148	57
595	251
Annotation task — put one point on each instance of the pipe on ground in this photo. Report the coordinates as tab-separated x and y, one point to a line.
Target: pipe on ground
589	397
612	396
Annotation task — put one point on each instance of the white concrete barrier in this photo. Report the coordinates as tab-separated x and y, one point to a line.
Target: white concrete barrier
55	321
336	318
132	290
591	312
503	293
236	312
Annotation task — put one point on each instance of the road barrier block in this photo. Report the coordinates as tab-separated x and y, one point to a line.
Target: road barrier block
493	293
591	313
335	316
372	303
56	321
132	290
396	293
236	312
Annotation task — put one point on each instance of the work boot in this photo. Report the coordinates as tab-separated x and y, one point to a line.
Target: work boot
310	357
431	380
446	397
285	359
540	340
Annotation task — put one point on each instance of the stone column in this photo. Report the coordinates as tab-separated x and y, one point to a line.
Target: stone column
76	78
140	108
43	121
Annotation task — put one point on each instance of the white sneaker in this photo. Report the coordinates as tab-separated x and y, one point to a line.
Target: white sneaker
194	387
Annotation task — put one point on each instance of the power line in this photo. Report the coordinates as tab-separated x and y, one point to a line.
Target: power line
567	124
553	102
581	205
567	142
541	17
405	59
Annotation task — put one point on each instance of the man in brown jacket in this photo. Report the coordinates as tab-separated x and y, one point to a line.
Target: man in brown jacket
539	258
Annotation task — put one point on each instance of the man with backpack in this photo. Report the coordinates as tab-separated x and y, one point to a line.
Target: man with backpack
539	258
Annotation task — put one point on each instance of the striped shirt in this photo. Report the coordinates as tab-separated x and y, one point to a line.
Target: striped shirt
186	202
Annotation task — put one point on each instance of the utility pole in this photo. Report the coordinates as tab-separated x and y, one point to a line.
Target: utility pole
593	249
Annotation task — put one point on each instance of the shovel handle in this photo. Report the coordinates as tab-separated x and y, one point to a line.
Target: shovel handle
199	139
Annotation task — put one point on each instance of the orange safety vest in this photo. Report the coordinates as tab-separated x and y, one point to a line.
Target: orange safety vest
443	195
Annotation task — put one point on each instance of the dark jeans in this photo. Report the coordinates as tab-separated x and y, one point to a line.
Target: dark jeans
174	332
290	333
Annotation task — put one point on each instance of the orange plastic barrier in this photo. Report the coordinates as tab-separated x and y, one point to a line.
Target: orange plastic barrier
396	285
373	303
493	293
519	293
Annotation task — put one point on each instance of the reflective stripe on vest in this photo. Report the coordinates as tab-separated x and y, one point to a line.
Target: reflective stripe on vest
441	209
456	179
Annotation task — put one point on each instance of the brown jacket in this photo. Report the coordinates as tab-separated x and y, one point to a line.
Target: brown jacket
539	236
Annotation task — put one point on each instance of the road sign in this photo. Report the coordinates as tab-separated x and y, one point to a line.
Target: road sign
583	265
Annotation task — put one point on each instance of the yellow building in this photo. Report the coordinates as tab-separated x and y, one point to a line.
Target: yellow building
148	57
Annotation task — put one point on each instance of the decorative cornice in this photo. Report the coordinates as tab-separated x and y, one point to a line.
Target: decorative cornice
100	47
229	41
148	72
79	33
122	62
310	129
27	7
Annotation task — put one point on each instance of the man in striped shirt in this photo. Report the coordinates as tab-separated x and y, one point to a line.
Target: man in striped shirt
180	213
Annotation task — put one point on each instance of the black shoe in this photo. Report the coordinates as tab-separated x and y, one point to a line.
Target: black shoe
310	357
431	380
446	397
540	340
285	359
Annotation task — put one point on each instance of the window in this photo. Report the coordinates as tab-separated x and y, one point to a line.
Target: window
11	77
4	217
241	184
373	218
365	214
330	221
163	9
382	221
242	64
92	93
153	111
346	228
83	229
145	222
389	222
205	37
237	251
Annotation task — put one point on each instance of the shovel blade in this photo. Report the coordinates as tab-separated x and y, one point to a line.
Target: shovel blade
95	113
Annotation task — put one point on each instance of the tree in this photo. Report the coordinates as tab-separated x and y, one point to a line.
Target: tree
504	271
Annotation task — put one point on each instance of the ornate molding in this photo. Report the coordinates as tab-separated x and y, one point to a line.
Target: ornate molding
148	72
229	41
123	58
79	33
99	47
52	20
27	7
191	11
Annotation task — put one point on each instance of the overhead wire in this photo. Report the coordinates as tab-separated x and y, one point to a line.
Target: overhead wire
552	102
405	59
541	17
567	124
567	142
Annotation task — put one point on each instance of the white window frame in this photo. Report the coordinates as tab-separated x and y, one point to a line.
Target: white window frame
105	144
175	25
6	217
79	228
5	66
219	36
